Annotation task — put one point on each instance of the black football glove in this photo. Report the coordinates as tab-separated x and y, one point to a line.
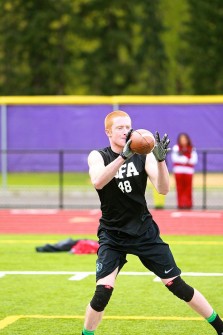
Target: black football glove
161	147
127	152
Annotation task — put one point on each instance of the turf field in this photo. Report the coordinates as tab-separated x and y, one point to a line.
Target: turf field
45	293
213	180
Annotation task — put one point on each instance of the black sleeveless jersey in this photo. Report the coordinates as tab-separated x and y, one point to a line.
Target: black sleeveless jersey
123	202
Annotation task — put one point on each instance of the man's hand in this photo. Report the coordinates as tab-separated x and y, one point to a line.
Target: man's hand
127	152
161	147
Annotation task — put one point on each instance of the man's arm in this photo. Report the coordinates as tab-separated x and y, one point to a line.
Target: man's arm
158	174
100	174
156	166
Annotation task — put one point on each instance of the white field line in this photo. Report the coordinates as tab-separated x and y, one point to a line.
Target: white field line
81	275
55	241
196	215
33	211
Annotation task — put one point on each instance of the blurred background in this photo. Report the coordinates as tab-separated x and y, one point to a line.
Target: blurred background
96	47
65	64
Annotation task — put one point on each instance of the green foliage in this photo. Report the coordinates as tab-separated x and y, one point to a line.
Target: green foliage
174	14
204	54
88	47
50	47
34	46
127	55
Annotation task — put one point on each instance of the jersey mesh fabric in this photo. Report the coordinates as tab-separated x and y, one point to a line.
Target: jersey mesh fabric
123	203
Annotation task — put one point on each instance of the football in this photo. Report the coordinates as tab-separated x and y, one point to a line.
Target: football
142	142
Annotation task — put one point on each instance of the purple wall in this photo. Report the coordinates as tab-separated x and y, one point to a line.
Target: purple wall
203	122
56	127
75	127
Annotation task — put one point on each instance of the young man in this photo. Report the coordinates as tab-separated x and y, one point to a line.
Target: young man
126	226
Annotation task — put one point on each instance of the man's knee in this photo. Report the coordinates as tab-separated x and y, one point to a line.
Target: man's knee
179	288
101	297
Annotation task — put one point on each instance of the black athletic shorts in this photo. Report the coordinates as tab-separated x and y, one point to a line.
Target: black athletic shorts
154	254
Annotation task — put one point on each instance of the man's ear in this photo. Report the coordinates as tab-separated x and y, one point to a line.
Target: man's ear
108	132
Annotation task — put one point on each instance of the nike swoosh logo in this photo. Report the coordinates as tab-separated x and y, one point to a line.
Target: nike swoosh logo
167	271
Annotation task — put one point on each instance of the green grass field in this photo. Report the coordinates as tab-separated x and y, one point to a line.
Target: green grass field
213	180
48	179
52	304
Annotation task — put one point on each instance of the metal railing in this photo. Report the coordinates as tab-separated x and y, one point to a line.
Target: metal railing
59	179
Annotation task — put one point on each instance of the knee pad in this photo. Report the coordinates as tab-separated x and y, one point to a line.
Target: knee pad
179	288
101	297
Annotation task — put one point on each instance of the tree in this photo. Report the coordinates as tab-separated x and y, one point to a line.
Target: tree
150	58
173	15
204	55
34	51
50	47
126	54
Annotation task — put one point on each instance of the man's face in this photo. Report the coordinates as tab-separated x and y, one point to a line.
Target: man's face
120	127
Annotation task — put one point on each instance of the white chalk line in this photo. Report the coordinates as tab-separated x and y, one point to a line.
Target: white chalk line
214	215
79	275
55	241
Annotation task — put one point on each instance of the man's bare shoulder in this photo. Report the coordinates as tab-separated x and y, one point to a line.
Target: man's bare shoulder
94	156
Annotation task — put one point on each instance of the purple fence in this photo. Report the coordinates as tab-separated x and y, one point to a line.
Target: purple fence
81	127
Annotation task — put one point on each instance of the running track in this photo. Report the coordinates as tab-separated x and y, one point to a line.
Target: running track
19	221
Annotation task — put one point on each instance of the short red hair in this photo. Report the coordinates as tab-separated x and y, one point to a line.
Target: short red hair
110	117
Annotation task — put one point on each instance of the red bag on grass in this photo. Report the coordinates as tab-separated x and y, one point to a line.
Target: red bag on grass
85	247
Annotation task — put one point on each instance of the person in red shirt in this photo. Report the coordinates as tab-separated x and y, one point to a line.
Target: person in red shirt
184	158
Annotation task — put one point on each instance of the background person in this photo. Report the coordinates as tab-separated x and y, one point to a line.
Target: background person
126	225
184	158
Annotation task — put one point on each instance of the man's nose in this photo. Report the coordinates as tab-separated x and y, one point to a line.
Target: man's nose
126	131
